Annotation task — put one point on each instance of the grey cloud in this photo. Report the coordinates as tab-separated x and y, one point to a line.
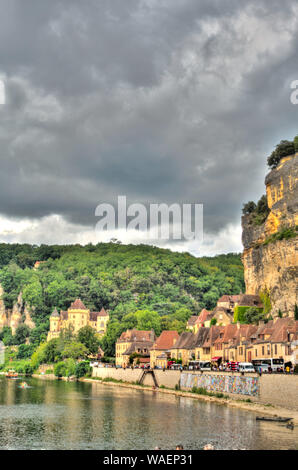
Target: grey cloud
159	100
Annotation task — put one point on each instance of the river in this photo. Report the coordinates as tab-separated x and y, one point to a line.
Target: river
71	415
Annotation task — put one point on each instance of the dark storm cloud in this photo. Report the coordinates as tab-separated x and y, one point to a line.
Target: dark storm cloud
155	99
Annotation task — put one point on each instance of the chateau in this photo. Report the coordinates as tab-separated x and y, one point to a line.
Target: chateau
77	316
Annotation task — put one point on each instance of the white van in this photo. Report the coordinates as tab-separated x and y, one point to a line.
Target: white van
246	367
204	365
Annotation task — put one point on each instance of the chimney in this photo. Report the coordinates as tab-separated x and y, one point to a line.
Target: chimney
261	323
238	325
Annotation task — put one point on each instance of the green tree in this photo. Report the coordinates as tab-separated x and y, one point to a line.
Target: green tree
25	351
248	208
88	337
60	369
253	315
283	149
6	336
74	350
82	368
22	333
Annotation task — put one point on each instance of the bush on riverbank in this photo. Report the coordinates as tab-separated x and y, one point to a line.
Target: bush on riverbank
21	367
83	369
203	391
65	368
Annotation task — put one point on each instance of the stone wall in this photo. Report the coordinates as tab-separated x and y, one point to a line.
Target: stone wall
166	378
227	383
279	390
274	389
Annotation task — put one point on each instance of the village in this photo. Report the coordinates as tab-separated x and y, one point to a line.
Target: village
214	341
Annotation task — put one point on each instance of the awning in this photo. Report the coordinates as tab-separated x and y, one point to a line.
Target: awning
216	358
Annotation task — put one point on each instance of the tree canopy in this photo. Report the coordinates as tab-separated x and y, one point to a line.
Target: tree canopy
141	286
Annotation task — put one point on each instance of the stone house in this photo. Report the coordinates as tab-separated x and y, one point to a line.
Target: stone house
273	340
184	348
133	341
200	339
206	351
222	316
160	352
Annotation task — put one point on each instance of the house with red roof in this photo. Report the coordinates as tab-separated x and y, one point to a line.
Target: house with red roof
160	352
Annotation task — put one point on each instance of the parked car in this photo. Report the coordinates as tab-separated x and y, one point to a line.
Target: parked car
246	367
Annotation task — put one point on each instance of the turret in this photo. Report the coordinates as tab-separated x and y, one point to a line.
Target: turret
54	320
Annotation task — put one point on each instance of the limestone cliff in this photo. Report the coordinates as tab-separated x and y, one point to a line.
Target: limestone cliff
18	315
271	260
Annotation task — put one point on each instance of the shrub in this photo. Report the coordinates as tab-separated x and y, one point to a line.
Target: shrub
285	233
25	351
283	149
82	368
28	369
249	208
60	369
70	367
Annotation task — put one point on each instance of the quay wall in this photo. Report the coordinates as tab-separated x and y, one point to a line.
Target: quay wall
268	389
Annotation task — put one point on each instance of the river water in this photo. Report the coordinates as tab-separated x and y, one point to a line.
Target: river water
71	415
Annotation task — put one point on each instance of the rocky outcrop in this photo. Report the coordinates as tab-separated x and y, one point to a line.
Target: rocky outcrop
270	263
19	314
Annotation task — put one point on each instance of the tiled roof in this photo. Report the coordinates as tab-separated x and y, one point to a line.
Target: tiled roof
94	315
250	301
137	335
78	305
138	345
192	320
185	341
63	315
55	313
213	334
281	328
224	298
203	315
103	313
201	336
166	340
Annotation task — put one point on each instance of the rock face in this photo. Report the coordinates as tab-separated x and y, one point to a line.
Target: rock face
273	266
19	314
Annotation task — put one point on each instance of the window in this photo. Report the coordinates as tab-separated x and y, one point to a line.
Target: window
256	352
275	348
263	350
268	349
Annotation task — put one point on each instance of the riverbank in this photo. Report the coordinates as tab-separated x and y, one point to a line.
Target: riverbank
258	408
255	407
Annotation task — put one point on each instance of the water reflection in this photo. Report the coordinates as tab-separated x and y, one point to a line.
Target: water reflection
60	415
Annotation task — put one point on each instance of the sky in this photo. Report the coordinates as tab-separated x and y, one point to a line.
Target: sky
165	101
